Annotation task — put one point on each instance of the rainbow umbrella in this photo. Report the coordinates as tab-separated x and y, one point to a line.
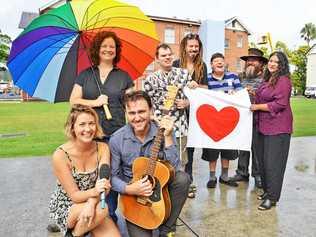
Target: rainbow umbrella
48	55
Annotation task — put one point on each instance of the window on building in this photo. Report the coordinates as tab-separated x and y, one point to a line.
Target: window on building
239	41
234	24
226	43
238	65
170	36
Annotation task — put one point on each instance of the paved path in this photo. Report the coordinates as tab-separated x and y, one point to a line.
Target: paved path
26	185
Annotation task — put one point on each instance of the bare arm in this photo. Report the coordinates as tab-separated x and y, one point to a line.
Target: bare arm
62	170
76	98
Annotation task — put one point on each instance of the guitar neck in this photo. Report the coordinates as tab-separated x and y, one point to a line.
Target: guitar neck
157	144
168	103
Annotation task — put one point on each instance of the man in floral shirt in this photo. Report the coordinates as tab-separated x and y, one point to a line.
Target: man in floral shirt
156	86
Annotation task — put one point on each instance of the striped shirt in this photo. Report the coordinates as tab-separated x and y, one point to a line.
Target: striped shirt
229	82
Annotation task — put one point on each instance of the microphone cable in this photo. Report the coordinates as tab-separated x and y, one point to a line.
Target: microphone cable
196	234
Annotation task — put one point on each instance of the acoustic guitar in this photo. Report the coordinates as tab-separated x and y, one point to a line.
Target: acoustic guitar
150	212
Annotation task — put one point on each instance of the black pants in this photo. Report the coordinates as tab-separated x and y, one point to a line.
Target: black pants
273	152
244	158
178	191
189	166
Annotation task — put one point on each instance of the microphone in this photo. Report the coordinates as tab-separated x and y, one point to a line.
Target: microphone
104	174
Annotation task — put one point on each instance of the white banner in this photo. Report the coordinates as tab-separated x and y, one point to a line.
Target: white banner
219	120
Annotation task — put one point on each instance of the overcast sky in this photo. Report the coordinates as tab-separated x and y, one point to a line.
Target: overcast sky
282	18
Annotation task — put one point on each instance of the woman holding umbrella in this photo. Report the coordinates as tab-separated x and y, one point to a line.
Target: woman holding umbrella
75	205
104	84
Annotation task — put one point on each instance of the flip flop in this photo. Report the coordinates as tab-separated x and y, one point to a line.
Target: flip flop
192	188
191	194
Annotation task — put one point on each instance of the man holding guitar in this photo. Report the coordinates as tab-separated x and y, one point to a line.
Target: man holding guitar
145	142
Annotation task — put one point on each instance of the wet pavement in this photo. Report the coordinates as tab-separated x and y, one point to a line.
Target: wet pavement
27	183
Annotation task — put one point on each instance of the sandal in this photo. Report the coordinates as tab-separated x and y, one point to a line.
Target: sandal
192	188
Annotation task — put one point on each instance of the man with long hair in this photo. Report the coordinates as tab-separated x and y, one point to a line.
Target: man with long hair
191	58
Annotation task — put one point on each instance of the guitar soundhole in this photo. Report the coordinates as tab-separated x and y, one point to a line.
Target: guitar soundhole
156	197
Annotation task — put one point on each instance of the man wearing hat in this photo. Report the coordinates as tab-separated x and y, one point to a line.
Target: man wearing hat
251	79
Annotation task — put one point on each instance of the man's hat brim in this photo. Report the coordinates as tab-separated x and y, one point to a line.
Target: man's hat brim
263	59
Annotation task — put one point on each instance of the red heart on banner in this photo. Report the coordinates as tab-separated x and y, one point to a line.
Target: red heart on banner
217	124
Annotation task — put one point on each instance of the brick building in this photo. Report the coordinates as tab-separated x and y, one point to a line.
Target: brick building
236	43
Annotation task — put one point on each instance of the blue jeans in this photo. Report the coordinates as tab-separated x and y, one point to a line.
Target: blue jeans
111	200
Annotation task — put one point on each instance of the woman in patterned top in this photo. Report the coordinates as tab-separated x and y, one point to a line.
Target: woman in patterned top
75	203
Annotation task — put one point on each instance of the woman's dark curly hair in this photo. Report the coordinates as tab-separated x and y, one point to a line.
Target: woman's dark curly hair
96	45
283	69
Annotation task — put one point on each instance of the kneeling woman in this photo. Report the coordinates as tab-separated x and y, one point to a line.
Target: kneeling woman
75	203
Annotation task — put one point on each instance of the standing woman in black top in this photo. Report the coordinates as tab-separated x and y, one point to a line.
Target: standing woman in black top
191	58
104	84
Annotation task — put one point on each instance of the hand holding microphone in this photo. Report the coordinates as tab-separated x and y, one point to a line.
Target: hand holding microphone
103	183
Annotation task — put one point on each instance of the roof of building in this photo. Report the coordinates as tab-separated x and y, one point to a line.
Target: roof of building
229	24
50	5
26	18
176	20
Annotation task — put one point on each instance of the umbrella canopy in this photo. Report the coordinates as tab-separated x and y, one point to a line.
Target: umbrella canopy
48	55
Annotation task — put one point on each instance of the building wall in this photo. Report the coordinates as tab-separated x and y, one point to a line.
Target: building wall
232	52
311	69
180	30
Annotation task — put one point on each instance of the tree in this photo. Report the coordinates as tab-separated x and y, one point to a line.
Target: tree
299	60
281	46
308	33
5	42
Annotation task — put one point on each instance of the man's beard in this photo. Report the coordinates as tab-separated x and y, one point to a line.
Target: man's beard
252	72
193	55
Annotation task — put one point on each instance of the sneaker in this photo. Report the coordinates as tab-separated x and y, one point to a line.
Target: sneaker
229	182
240	178
211	183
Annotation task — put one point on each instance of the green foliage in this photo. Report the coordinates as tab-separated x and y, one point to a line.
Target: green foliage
279	45
308	32
299	60
5	42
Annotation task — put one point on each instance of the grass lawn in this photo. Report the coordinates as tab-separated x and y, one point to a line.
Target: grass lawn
304	111
43	125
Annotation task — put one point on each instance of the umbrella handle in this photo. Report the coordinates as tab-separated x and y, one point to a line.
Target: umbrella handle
107	112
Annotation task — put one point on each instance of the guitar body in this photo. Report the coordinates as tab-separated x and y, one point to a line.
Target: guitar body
148	212
165	190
